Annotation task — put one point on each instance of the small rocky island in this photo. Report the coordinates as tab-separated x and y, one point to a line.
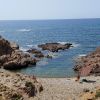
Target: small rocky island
52	47
55	47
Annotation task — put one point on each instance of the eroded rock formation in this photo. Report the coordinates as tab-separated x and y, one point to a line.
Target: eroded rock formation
13	58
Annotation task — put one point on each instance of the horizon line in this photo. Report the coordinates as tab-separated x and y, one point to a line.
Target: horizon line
47	19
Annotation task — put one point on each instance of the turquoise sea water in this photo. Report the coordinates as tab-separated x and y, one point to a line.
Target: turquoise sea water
83	33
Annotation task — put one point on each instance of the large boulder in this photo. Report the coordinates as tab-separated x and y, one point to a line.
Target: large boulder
90	64
13	58
55	47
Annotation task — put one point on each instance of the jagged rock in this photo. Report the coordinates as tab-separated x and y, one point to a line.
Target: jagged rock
90	64
13	58
55	47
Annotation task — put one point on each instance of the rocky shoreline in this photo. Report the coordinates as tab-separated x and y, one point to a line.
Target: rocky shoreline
89	65
17	86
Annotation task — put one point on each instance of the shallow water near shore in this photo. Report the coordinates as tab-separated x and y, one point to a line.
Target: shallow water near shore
84	34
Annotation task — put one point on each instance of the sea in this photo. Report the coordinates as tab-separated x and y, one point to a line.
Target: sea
84	34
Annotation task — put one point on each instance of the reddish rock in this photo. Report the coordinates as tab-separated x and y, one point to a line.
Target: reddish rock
90	64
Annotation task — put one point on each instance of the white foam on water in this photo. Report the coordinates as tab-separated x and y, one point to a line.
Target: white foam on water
23	49
75	45
32	46
53	55
63	42
29	45
42	63
24	30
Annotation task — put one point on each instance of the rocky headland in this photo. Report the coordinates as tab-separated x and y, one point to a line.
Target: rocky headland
13	58
89	65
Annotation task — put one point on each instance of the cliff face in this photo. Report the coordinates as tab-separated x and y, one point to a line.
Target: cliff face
5	47
90	64
13	58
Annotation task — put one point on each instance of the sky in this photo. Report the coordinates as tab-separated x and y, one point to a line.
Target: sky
49	9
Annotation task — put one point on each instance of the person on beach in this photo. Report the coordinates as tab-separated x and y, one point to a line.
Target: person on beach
78	77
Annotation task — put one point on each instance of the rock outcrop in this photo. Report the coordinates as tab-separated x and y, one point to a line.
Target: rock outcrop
90	64
13	58
16	86
55	47
37	53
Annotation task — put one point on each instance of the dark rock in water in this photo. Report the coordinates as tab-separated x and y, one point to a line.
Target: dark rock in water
36	53
48	56
55	47
39	55
13	58
90	64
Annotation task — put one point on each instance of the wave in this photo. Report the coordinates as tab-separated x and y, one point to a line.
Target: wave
42	63
54	55
24	30
23	49
32	46
63	42
75	45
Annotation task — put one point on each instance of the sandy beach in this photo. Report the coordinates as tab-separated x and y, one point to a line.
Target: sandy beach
66	88
17	86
